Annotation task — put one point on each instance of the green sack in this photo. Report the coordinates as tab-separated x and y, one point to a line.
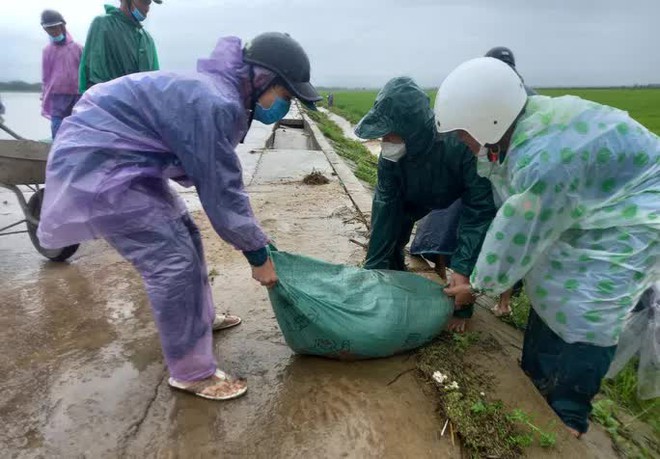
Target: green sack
351	313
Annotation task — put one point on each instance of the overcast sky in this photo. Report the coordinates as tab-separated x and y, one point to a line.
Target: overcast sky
363	43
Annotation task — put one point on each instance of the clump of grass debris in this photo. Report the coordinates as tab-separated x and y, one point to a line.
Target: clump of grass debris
315	178
520	307
365	164
484	426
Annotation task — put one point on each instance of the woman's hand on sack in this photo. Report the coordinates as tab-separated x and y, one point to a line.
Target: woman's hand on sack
460	289
265	274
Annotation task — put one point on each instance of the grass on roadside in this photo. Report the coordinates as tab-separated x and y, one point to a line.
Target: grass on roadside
365	164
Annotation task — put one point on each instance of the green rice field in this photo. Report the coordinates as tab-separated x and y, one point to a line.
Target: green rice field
643	104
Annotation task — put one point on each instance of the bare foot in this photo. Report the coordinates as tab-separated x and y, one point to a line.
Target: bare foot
573	432
503	307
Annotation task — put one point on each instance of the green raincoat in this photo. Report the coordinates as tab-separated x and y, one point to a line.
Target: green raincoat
116	46
580	220
434	173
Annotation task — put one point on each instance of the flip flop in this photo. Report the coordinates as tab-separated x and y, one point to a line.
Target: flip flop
225	321
234	388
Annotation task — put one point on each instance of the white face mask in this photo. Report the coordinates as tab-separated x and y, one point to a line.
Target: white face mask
484	167
392	151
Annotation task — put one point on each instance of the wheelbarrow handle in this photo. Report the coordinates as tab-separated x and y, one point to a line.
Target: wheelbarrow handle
10	132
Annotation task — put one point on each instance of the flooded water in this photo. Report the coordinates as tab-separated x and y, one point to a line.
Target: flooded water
23	115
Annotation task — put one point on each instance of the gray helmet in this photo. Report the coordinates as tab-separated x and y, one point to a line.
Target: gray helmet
51	18
284	56
504	54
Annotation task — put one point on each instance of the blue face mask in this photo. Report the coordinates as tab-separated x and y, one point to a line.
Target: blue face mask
276	112
137	14
60	38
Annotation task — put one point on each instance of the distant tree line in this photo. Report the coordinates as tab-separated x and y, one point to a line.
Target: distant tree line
20	86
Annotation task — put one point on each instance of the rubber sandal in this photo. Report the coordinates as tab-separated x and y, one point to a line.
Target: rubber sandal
235	387
225	321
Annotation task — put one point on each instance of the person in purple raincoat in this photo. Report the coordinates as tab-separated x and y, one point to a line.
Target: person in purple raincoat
108	172
59	76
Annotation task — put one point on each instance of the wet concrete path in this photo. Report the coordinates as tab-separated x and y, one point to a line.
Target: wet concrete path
84	376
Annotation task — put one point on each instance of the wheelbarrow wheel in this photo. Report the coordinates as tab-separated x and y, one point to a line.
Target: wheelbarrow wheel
34	207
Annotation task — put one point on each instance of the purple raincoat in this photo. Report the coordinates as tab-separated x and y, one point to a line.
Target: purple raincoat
108	168
60	64
108	174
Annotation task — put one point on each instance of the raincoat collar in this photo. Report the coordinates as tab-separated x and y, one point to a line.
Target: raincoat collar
402	108
111	10
68	41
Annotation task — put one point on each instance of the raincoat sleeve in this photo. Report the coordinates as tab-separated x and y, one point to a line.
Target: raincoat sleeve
387	215
156	62
93	39
526	225
207	155
476	216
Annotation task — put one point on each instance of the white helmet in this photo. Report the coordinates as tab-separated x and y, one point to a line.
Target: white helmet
483	97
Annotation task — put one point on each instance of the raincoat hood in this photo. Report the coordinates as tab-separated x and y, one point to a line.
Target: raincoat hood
114	11
226	65
226	60
401	108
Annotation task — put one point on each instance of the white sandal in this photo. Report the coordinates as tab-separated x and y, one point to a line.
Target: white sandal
225	321
236	387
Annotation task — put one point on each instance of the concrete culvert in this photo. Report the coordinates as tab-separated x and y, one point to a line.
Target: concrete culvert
315	178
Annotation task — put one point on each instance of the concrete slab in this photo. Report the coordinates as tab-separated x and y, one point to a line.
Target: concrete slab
360	196
256	137
290	165
289	138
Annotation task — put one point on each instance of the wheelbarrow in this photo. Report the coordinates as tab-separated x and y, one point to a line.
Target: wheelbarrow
23	163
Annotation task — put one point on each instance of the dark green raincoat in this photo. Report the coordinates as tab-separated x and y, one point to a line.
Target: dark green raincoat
116	46
434	173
